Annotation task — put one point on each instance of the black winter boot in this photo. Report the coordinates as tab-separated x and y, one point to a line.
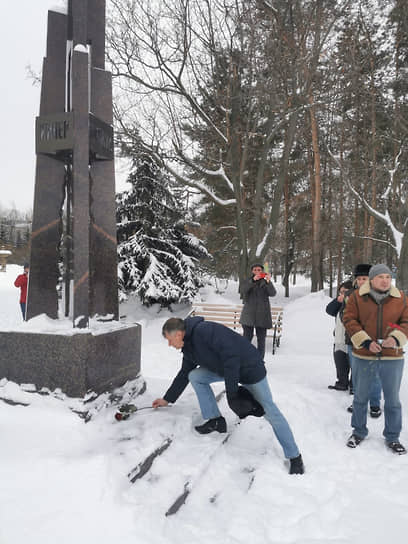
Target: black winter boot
375	411
296	465
338	387
216	424
397	447
354	441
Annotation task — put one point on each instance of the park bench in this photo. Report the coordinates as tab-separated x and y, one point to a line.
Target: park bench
229	315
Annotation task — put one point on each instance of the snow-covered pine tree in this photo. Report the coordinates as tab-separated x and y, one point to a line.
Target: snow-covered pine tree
158	258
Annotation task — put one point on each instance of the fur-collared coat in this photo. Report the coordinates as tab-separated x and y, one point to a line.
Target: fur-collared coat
365	319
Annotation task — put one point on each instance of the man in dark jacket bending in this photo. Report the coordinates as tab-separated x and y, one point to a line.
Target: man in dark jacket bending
211	353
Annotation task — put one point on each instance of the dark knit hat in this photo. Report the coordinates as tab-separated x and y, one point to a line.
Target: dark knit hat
379	269
26	265
361	270
257	264
348	284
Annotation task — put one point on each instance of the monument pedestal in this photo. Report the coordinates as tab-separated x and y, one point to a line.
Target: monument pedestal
74	363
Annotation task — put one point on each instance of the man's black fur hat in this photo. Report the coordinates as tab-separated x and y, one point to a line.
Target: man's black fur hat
361	270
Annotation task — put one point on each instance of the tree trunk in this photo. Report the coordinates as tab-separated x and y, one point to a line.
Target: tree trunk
234	158
316	200
283	173
340	226
402	272
370	231
289	245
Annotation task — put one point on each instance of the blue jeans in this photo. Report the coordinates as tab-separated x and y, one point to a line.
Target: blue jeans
390	373
375	388
23	309
200	378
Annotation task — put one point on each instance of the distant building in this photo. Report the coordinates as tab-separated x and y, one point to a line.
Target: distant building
4	255
14	234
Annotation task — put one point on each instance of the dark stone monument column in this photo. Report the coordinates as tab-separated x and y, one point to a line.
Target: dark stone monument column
78	85
103	263
74	219
49	180
80	178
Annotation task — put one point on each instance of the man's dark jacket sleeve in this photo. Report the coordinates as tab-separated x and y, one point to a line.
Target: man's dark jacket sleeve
333	307
180	382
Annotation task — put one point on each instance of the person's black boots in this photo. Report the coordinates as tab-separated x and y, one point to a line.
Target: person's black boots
375	411
217	424
296	465
338	387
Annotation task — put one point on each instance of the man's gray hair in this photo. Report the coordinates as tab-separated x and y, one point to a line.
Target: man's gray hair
172	325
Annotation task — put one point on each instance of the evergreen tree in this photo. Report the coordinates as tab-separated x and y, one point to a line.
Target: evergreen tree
158	258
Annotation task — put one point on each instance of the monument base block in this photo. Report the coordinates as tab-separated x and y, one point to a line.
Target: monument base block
75	363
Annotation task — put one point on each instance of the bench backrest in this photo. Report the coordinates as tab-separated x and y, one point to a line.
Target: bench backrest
229	315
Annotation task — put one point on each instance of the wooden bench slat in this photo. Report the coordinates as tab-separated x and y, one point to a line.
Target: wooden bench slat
228	315
229	307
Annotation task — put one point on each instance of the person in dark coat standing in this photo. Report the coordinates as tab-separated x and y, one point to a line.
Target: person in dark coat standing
22	283
214	353
340	350
256	312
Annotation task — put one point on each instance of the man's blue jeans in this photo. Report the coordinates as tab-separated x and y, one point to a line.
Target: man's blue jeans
390	373
200	378
375	387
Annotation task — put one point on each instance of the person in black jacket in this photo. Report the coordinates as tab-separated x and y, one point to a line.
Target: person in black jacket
257	311
213	352
340	349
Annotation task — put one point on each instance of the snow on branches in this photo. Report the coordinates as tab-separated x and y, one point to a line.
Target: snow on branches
158	258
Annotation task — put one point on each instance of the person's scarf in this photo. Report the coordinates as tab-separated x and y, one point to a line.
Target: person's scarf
378	296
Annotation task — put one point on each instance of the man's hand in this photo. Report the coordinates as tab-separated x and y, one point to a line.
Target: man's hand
262	276
389	342
159	402
340	298
374	347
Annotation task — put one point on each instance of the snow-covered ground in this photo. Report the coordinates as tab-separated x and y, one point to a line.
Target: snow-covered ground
66	481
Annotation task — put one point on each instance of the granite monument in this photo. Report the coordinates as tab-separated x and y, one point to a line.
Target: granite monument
73	261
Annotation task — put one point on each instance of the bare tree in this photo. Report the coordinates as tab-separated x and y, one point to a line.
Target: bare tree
399	234
236	98
217	89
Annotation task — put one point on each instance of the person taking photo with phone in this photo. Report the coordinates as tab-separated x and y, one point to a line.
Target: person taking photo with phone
256	312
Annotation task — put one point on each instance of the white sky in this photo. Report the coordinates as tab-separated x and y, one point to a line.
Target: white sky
23	27
23	34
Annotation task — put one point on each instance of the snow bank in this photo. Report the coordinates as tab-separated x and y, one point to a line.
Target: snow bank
65	481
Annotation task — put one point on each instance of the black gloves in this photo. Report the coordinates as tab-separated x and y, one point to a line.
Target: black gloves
243	404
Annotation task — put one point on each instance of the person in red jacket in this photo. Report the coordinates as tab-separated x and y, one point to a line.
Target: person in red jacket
21	282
